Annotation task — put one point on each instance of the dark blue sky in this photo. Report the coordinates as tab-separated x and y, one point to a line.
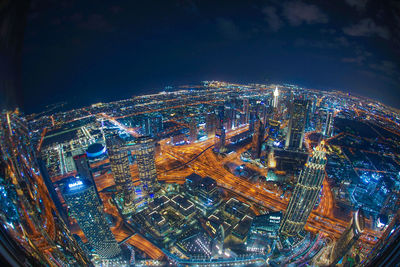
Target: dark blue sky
87	51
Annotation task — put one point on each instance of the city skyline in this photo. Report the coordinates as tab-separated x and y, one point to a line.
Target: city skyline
200	133
346	45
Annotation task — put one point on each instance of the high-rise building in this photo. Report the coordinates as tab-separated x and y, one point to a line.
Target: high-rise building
146	126
328	124
305	194
273	128
31	217
119	161
258	138
221	116
211	124
152	126
192	130
220	139
252	120
246	108
84	206
297	123
230	118
220	131
156	125
276	97
349	237
145	153
83	169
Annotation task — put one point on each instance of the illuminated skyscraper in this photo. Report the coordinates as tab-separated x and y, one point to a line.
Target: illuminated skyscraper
83	169
220	139
220	131
192	131
146	164
297	123
349	237
246	108
84	206
252	120
32	218
156	125
119	161
305	194
258	138
276	96
211	124
328	124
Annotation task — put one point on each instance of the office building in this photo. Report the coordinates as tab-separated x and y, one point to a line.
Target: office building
152	125
328	126
83	168
220	131
119	161
349	237
305	194
192	130
297	124
220	139
211	124
258	139
36	228
145	153
246	109
84	172
84	206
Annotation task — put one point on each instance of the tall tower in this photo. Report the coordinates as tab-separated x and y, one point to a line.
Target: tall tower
297	124
211	124
258	138
246	108
220	139
146	164
119	162
156	125
276	96
220	131
252	120
328	124
84	206
349	237
83	169
34	223
146	125
192	131
305	193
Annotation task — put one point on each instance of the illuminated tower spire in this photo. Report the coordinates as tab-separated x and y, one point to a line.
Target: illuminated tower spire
276	95
305	193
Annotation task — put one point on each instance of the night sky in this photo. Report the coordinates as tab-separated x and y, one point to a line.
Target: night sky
84	52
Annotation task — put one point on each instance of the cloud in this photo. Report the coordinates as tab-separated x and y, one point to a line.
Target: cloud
358	59
272	18
335	43
358	4
367	28
386	67
297	13
228	29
